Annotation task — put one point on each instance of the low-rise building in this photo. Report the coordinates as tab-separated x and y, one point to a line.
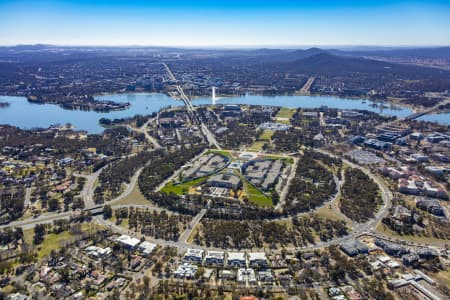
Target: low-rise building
147	248
257	259
392	248
216	258
228	181
227	274
127	241
427	253
194	255
246	275
410	259
354	247
431	205
266	276
236	259
186	270
98	252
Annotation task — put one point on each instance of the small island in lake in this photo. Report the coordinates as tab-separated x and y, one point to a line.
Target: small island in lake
4	104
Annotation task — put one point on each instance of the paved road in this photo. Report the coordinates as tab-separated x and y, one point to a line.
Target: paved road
87	193
185	235
358	229
42	219
386	195
143	129
27	197
307	86
334	202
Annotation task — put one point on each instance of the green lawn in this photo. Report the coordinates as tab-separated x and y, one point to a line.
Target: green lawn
288	160
286	113
256	196
256	146
266	135
222	152
181	188
53	241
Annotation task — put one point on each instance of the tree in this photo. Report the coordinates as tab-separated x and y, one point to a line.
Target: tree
53	204
107	212
39	233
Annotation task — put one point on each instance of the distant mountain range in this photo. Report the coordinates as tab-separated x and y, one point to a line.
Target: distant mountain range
325	63
418	53
314	61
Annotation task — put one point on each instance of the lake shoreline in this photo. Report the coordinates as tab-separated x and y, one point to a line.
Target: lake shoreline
24	114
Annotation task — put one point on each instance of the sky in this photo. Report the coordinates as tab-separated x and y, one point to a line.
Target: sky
231	23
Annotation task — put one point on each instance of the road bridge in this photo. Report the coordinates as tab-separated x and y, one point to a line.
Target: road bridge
191	110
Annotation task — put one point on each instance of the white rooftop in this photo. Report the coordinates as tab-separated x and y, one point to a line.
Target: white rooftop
257	256
215	254
236	256
246	274
127	240
194	252
393	264
383	258
147	247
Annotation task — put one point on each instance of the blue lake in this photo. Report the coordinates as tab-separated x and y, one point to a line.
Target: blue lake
442	118
24	114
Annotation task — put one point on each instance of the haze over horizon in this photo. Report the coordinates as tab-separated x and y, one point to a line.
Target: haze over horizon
225	23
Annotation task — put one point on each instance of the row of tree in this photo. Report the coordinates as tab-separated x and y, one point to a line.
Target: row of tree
249	234
159	225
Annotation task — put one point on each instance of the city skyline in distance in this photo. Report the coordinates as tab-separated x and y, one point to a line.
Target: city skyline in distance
230	24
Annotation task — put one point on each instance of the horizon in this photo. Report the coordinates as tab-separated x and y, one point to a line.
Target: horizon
240	47
225	24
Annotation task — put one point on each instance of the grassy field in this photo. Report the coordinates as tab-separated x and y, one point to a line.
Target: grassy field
288	160
190	239
417	239
444	277
327	213
53	241
256	146
266	135
255	196
135	197
123	223
182	188
286	113
222	152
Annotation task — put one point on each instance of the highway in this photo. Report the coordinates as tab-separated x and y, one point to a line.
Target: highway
191	110
307	86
